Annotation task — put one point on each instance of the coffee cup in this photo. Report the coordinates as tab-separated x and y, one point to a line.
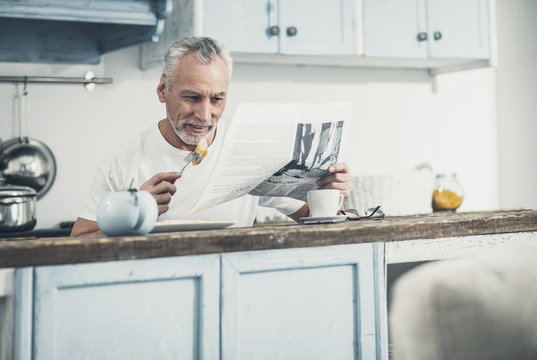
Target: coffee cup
326	202
128	212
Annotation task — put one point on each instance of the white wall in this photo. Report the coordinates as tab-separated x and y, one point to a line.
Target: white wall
400	118
517	102
80	126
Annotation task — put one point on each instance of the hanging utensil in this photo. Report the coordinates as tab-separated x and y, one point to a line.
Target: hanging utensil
26	161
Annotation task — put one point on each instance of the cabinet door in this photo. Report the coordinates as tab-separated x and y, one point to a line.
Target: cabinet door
391	28
315	303
242	25
458	28
322	27
316	27
426	28
145	309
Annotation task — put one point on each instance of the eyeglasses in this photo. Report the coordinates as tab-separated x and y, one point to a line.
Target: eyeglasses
373	213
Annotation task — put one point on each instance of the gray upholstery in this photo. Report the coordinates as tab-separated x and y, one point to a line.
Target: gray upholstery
476	308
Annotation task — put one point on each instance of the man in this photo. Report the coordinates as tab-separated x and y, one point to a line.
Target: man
193	86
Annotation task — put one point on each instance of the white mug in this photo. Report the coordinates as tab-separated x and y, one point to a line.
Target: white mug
325	202
128	212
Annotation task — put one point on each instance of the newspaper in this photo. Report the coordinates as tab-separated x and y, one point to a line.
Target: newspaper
277	150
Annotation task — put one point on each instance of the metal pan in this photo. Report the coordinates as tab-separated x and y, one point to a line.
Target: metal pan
25	161
28	162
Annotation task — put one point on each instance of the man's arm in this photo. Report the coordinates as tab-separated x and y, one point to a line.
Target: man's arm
84	227
304	211
339	178
160	186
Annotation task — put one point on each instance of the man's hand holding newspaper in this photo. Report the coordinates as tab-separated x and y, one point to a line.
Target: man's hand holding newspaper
279	150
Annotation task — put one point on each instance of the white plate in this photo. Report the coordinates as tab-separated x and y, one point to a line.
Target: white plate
324	219
186	225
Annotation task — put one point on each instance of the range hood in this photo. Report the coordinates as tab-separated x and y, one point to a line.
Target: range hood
76	31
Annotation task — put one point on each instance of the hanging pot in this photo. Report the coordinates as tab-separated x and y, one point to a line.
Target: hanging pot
28	162
17	208
25	161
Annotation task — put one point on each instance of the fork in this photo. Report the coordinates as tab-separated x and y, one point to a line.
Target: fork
188	159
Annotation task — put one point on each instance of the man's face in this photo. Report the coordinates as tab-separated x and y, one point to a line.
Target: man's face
197	98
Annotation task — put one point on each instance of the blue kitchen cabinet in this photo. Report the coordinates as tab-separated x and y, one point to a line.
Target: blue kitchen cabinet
290	27
76	31
426	28
303	303
313	303
141	309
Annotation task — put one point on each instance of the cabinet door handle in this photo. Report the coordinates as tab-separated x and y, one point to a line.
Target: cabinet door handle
437	35
273	31
291	31
422	36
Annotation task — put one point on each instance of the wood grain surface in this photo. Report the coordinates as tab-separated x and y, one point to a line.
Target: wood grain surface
16	252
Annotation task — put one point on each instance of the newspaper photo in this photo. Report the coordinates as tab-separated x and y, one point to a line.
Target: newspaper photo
277	150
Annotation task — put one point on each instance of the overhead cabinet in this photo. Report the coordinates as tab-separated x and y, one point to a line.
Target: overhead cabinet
437	35
253	27
426	28
293	27
76	31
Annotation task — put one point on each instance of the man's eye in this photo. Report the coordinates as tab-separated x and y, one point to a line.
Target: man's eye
218	99
192	98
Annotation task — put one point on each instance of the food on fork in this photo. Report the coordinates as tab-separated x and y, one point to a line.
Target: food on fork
201	151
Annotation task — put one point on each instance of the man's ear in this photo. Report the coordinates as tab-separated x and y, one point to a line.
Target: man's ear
162	90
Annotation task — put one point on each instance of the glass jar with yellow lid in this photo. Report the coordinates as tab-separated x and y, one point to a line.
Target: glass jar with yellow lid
448	193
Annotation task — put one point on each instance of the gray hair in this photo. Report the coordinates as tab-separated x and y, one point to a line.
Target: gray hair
205	48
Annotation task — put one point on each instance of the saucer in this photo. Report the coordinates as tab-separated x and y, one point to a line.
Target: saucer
324	219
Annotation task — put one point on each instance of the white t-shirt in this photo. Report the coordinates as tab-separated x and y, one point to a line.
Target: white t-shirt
148	153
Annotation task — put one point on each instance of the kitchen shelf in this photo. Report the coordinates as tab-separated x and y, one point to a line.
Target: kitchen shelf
433	66
55	80
89	80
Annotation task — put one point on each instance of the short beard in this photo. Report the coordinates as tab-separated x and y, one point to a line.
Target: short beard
188	138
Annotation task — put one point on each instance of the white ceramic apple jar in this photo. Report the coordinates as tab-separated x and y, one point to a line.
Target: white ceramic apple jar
127	212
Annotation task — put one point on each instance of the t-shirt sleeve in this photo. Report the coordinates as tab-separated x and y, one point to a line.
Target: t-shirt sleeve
285	205
106	179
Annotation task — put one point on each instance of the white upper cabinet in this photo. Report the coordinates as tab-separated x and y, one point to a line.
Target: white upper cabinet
426	28
291	27
243	26
391	27
458	28
436	35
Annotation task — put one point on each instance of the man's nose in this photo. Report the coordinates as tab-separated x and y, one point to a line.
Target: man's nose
204	110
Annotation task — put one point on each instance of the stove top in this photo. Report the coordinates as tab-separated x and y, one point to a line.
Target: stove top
38	233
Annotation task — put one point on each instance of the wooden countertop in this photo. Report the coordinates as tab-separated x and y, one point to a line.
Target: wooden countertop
17	252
